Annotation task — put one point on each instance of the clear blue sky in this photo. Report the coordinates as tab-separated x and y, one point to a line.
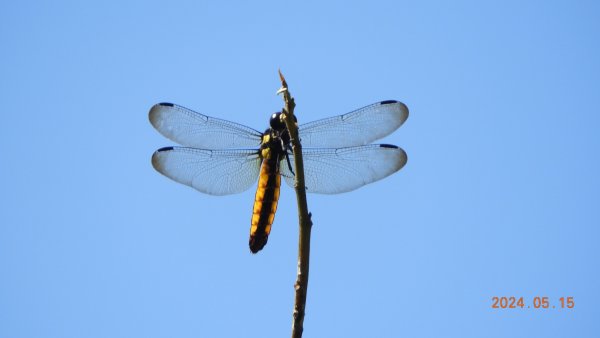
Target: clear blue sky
499	197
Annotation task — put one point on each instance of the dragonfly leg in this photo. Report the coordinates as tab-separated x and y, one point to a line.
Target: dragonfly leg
287	157
285	148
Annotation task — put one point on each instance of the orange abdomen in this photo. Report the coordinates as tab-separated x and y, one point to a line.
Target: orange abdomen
265	203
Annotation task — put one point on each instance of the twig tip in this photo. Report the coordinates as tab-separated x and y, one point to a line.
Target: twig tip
282	78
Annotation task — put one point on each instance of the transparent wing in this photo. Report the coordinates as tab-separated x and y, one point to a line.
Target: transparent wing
214	172
334	171
356	128
193	129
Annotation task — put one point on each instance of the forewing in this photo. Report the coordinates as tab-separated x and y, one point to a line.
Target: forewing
356	128
214	172
192	129
334	171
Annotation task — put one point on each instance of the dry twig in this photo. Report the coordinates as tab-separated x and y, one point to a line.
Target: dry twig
305	221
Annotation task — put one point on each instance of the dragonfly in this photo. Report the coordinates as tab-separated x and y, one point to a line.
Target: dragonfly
220	157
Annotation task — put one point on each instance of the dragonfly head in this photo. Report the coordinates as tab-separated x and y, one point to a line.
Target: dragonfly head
277	122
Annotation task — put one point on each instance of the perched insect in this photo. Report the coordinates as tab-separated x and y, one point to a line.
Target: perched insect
336	152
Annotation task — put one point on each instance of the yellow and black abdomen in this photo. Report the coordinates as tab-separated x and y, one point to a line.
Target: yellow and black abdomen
265	202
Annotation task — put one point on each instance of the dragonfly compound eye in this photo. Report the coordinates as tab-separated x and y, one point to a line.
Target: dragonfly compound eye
276	122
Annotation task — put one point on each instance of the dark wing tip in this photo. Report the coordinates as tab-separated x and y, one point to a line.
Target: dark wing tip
157	110
402	105
403	157
385	146
403	108
164	149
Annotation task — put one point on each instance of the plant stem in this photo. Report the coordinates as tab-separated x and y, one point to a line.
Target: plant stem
305	222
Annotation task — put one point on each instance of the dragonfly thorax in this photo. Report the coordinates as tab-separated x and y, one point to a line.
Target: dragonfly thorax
274	142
